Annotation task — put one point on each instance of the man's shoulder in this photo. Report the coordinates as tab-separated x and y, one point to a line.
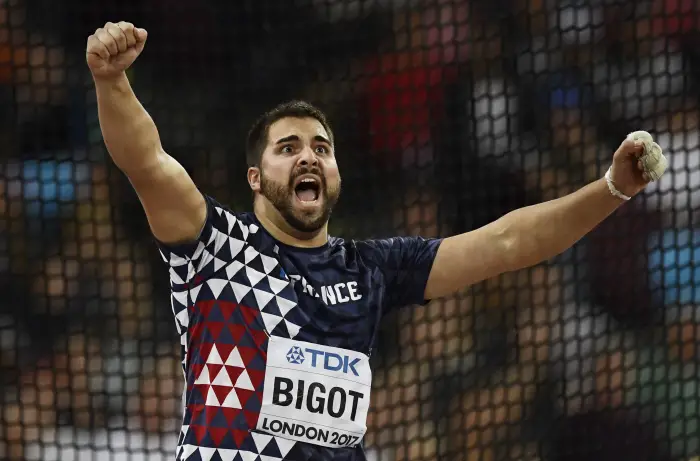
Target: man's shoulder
227	218
366	248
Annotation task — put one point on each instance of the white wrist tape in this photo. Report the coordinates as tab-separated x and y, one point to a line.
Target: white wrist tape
612	188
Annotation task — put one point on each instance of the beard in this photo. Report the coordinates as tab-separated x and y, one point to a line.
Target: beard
283	197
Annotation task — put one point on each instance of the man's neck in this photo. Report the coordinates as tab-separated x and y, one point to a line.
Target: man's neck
279	229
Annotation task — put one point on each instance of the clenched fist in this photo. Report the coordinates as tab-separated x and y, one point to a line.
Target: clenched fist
113	48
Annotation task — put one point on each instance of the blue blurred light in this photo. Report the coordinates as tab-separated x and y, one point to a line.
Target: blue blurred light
673	264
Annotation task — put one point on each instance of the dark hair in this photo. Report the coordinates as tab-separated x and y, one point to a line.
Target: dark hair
257	136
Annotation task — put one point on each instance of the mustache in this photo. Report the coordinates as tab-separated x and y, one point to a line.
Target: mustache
306	170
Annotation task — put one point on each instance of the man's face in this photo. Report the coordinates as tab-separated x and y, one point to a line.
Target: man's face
299	174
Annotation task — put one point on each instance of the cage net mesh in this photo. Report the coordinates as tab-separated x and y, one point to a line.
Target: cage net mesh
448	114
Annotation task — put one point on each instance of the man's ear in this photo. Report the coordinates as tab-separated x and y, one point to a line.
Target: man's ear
254	178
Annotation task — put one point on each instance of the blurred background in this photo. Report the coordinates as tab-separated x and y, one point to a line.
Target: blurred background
448	114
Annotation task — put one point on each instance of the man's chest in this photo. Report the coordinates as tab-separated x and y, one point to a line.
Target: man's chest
311	299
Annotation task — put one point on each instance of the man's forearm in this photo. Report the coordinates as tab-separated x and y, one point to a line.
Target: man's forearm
540	232
129	132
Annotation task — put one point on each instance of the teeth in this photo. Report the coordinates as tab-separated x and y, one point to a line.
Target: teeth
308	180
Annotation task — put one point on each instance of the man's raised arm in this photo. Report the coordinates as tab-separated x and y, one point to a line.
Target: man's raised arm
175	208
533	234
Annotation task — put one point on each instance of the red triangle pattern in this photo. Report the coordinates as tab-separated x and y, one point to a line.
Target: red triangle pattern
209	414
251	418
230	414
213	370
249	315
204	351
224	350
234	373
248	354
199	432
204	307
203	389
221	392
239	436
214	328
256	377
237	332
244	395
259	337
227	308
196	411
217	434
196	332
196	370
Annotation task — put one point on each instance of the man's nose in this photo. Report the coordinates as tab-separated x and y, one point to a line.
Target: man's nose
308	157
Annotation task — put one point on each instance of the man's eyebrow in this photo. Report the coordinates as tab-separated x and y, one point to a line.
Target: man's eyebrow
294	137
288	139
320	138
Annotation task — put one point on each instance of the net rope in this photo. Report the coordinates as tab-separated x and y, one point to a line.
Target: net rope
448	114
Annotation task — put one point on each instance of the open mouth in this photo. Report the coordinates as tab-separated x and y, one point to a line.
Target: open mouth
307	190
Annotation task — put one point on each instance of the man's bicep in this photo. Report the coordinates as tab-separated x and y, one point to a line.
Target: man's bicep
175	208
466	259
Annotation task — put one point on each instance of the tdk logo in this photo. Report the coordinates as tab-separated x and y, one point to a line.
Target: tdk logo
326	360
295	355
333	362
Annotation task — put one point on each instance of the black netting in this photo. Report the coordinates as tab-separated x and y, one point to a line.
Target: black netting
448	114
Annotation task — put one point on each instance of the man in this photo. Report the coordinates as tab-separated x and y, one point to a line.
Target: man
278	319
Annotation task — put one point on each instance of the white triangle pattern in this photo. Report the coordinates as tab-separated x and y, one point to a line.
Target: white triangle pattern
194	292
203	377
222	379
248	455
262	297
285	305
204	260
270	320
206	453
230	220
214	356
218	264
277	285
220	240
212	236
212	400
181	297
216	286
261	440
268	263
183	317
176	261
175	277
227	455
234	359
187	450
284	445
235	246
250	254
239	291
292	328
244	382
253	275
244	230
231	400
233	268
228	236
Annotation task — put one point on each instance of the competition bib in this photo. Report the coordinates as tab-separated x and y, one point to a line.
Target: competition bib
315	394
